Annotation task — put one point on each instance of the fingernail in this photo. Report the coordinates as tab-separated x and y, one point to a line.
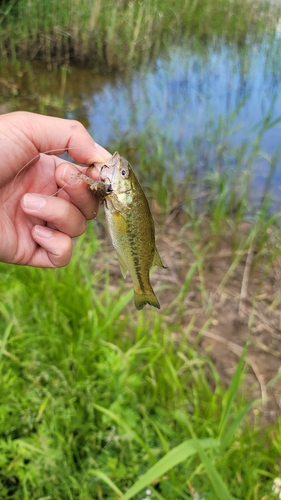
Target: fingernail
34	201
102	153
43	231
69	175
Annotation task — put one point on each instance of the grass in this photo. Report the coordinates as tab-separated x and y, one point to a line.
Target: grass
99	401
119	35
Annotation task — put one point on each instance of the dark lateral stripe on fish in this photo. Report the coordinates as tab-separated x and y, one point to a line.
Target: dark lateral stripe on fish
136	259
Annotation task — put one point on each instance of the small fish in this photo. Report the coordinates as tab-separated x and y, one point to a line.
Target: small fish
130	225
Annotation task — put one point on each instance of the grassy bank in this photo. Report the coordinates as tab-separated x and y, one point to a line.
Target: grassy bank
99	400
96	397
118	34
94	394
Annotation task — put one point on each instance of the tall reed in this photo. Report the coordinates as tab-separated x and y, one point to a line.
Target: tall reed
119	34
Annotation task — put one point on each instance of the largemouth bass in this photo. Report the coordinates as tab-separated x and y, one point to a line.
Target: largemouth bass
130	225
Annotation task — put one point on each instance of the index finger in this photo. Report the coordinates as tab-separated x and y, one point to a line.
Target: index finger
58	135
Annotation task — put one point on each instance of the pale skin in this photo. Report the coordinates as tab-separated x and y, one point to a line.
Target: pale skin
36	228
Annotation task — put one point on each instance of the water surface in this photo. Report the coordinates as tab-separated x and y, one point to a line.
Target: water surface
198	105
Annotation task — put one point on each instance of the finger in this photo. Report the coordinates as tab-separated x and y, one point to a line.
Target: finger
55	248
77	190
59	213
59	134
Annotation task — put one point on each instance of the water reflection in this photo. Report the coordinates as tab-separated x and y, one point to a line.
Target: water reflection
196	105
220	100
185	96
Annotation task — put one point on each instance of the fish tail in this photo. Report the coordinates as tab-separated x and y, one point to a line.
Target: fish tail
141	299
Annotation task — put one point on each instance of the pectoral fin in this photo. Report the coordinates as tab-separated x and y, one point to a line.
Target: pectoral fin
114	205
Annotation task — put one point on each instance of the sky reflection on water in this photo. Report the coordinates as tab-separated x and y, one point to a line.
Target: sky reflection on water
194	99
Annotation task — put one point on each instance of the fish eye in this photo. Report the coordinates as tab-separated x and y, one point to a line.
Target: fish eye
125	173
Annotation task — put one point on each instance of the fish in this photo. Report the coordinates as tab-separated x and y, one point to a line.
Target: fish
130	225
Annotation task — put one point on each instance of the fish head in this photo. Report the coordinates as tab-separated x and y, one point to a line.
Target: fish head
118	172
122	178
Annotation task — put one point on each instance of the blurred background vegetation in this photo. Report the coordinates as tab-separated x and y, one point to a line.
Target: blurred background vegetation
99	401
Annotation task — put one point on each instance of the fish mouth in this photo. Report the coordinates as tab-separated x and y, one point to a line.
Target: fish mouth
108	180
103	178
100	169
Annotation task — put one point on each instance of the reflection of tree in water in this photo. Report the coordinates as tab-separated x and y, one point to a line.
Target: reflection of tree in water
58	90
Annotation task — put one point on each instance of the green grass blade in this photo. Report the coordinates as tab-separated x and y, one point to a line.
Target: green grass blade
172	458
120	303
232	392
157	495
126	427
235	425
24	444
4	340
219	487
106	480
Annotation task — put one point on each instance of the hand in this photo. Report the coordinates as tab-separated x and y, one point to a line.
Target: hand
35	227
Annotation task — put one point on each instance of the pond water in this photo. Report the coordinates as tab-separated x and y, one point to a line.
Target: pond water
199	106
220	101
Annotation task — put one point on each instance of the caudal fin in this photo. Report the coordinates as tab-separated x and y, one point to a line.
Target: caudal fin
141	299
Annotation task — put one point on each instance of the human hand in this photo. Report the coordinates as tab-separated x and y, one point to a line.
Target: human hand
35	227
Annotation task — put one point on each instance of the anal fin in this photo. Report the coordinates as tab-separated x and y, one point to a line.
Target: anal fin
123	267
157	259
